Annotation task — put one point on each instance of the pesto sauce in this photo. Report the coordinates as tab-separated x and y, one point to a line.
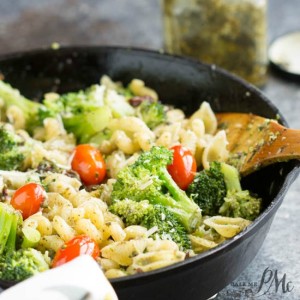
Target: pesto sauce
228	33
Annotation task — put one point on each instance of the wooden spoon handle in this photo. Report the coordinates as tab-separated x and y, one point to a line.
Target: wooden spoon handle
283	144
256	142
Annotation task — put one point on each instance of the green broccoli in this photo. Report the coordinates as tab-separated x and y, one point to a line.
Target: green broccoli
240	204
151	112
15	264
101	136
153	215
210	189
84	113
11	158
87	113
21	264
13	149
10	220
148	179
85	125
30	109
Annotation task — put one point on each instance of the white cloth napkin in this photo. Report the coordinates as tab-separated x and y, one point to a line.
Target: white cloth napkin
80	279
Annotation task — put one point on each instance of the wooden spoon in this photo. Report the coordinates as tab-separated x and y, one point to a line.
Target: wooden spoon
255	142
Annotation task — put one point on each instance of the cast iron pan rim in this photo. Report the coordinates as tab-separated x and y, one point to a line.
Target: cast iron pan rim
146	52
158	54
250	230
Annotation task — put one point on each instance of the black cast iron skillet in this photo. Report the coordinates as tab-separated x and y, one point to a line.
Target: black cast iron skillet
184	83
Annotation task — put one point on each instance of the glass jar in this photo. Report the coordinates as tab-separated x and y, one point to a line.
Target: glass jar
228	33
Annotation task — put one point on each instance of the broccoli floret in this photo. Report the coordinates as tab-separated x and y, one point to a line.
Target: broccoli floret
75	102
21	264
35	113
11	158
153	215
131	212
211	189
13	149
83	113
87	113
15	264
208	189
240	204
151	112
148	179
32	111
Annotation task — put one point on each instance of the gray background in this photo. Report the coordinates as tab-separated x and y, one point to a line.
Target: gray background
28	24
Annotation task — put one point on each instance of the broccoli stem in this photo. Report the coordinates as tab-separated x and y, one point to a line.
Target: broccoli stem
231	177
31	237
185	209
9	222
5	227
94	121
11	241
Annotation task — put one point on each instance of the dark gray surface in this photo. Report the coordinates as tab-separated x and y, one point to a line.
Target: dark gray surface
38	23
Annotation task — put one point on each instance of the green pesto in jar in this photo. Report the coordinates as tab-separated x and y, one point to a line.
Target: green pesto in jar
228	33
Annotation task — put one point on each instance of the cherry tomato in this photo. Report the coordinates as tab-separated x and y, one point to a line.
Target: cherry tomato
183	167
28	199
79	245
89	164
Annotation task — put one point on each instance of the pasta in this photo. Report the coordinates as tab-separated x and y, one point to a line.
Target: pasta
71	209
227	227
138	87
208	117
215	150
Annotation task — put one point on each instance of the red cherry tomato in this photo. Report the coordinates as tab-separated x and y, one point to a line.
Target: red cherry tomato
183	167
28	199
89	164
77	246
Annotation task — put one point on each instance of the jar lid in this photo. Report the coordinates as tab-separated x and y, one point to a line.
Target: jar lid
284	53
